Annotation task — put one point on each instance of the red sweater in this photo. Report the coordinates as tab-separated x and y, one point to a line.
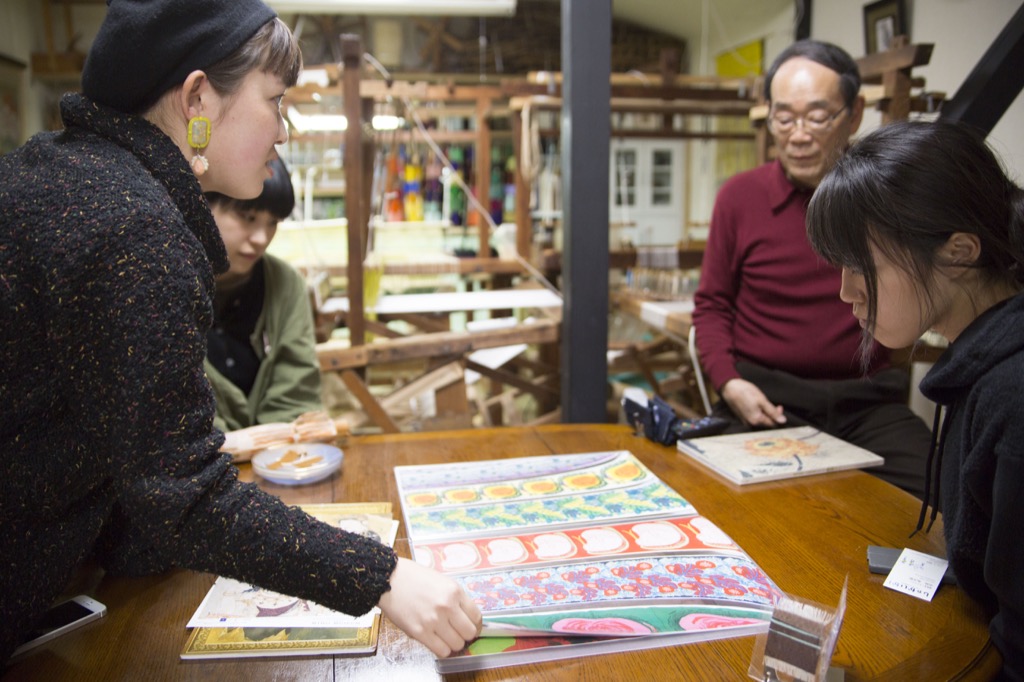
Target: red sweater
764	295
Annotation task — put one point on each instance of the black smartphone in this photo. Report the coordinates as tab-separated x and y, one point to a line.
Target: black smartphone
62	618
882	559
702	426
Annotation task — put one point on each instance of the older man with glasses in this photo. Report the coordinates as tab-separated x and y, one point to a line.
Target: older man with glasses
776	342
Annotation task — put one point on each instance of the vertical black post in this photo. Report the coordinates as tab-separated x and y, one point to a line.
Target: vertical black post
586	127
994	82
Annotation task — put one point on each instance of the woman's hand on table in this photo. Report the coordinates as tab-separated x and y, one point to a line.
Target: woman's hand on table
431	608
751	405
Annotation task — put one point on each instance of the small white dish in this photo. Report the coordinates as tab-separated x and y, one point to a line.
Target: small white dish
297	464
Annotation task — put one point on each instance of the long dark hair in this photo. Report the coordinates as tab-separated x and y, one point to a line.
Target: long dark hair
905	189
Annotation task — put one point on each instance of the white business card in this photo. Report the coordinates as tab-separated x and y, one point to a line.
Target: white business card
916	574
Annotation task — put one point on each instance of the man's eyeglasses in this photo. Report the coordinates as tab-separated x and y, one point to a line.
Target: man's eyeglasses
814	122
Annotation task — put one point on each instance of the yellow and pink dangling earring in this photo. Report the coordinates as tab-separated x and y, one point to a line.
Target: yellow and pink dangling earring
198	138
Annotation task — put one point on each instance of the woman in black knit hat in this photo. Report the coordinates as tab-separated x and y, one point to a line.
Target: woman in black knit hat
108	252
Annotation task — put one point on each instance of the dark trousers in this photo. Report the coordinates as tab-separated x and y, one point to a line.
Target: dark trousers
871	413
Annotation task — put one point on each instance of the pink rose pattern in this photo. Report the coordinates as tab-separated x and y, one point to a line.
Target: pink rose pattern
601	626
711	621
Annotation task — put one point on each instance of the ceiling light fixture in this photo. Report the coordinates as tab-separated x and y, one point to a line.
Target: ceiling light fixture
310	123
404	7
387	122
325	123
314	77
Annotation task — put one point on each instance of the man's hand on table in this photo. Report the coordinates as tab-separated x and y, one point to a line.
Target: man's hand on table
749	404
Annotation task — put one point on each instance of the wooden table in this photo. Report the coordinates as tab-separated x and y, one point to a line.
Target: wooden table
807	534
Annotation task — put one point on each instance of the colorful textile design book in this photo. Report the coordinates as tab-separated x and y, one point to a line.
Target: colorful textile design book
237	620
574	555
776	454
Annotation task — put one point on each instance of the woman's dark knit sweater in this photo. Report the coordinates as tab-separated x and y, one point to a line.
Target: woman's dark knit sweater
107	257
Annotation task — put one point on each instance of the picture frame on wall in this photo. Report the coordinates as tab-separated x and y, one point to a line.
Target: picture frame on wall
883	21
11	71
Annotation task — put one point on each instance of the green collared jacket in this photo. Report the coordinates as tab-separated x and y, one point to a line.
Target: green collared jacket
288	381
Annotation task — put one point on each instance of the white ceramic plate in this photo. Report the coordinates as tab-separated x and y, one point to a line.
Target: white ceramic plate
297	464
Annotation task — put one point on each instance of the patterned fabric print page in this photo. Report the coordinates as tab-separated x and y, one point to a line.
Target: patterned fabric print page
680	534
653	499
576	488
620	469
566	545
629	621
708	578
434	476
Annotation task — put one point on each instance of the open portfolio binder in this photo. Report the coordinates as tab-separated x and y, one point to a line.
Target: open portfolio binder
575	555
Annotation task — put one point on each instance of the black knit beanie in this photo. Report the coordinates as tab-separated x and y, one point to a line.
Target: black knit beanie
146	47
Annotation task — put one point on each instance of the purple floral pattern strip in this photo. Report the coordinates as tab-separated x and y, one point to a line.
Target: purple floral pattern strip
707	578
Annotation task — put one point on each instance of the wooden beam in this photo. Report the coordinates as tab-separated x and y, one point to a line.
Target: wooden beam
334	356
682	80
451	401
422	322
645	370
896	104
681	135
447	88
374	411
873	66
381	329
431	381
356	212
524	225
482	161
398	136
676	324
669	67
621	259
552	417
637	104
462	266
380	90
57	65
638	91
511	379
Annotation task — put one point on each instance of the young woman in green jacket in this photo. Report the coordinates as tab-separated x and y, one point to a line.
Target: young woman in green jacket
261	358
